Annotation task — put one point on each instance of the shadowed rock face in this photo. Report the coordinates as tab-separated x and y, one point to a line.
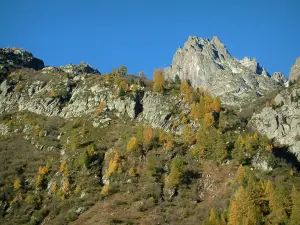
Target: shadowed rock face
208	64
295	71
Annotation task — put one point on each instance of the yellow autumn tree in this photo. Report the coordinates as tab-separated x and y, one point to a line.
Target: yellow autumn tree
158	80
208	102
176	172
186	91
39	181
66	185
295	215
169	145
17	184
208	120
105	190
43	170
213	217
91	150
132	172
63	168
188	135
148	136
107	77
113	164
233	214
77	189
132	145
216	105
240	174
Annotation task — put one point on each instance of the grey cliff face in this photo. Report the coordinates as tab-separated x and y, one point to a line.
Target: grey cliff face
295	71
80	96
208	64
282	122
279	78
72	91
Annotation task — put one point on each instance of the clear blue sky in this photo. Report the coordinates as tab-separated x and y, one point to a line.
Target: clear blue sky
144	34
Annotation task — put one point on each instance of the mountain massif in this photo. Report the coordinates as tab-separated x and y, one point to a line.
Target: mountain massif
208	64
211	140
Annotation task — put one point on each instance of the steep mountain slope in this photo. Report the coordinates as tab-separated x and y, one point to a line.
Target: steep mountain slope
208	64
84	148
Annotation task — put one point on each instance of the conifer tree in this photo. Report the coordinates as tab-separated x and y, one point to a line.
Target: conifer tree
188	135
295	215
176	172
132	144
177	79
208	120
240	174
216	105
158	81
213	217
233	217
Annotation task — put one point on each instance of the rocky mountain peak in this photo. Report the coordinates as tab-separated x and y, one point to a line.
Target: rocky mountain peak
17	57
295	71
208	64
14	58
279	77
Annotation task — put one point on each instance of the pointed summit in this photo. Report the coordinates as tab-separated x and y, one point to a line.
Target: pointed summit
208	64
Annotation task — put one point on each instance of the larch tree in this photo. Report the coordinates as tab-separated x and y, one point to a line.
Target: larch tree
188	135
132	144
295	215
148	136
176	172
233	217
208	120
216	105
158	80
213	217
240	174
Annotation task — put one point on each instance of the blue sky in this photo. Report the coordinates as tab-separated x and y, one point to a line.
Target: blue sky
144	34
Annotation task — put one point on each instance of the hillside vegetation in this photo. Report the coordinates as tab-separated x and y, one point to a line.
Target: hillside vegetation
139	152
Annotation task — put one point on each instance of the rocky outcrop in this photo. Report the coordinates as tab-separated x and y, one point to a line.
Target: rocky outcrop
80	96
279	78
15	58
82	68
208	64
295	71
282	122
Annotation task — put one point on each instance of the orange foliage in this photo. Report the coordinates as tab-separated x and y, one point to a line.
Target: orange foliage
148	135
208	120
43	170
113	164
66	186
132	144
100	108
52	93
